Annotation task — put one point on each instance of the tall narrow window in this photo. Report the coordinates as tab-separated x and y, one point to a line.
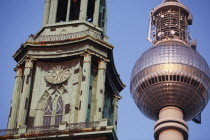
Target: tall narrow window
74	10
59	111
102	14
61	10
53	112
90	10
48	112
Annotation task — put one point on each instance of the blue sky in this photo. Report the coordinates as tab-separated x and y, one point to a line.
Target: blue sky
127	29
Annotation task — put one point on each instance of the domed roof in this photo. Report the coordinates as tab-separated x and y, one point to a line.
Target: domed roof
171	53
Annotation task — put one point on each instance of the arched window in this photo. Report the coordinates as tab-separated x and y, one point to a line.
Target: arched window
53	112
48	112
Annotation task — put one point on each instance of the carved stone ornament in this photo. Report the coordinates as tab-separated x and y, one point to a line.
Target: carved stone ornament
57	75
19	72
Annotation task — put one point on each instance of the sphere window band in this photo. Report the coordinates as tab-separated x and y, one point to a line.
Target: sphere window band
175	78
53	112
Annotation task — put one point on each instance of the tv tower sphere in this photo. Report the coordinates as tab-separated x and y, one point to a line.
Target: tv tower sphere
170	82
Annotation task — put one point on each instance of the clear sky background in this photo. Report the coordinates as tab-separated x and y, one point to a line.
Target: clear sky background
127	28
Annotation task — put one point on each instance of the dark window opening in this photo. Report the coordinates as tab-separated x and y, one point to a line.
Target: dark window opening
159	78
185	80
74	10
90	10
178	77
61	10
144	85
147	84
188	80
174	77
150	82
195	83
102	12
192	82
153	80
156	80
182	78
139	90
163	78
171	79
166	77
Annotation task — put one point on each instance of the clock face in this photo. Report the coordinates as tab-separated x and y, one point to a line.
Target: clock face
57	75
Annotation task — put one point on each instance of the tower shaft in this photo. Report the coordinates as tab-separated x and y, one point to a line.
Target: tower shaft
171	125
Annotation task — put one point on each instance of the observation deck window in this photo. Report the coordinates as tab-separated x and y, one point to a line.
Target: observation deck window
90	10
61	10
74	10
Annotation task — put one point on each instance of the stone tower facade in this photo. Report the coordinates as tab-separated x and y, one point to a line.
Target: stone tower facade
66	84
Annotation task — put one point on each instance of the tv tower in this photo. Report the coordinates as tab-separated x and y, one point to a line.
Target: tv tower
170	82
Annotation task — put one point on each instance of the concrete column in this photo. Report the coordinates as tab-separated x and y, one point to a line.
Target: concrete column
68	10
24	102
83	10
171	125
100	89
96	12
46	11
15	99
85	86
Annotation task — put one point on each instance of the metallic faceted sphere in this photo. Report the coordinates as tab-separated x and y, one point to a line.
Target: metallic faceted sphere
171	74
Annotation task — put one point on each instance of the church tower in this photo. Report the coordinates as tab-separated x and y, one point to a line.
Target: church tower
66	84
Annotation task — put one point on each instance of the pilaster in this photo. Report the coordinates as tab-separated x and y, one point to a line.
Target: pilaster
46	11
115	106
96	12
15	99
83	105
24	102
68	10
83	9
105	21
100	89
53	11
